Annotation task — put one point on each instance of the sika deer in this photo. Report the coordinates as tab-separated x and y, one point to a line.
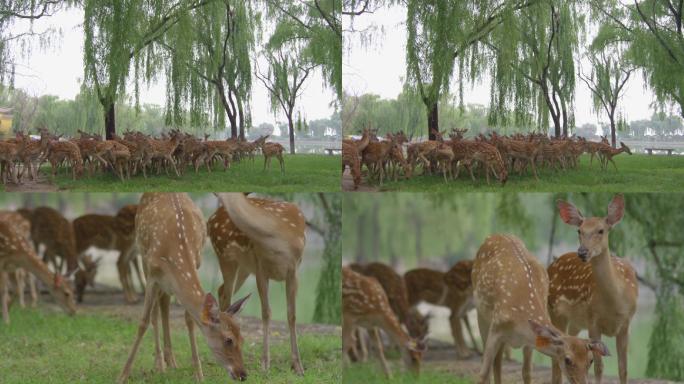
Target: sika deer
19	277
59	151
265	238
607	153
590	288
454	290
270	150
395	289
350	158
170	233
50	228
17	252
511	291
365	304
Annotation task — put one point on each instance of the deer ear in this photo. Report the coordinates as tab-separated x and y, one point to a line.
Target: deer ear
569	213
616	209
238	306
546	336
599	347
209	313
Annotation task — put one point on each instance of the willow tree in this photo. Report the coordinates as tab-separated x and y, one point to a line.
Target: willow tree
609	73
654	31
444	37
317	25
284	78
540	73
210	68
329	288
119	33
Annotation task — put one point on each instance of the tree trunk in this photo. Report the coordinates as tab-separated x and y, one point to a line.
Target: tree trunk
110	123
556	123
241	116
290	124
433	121
612	129
565	117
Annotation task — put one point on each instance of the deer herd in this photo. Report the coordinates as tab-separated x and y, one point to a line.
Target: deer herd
166	233
128	155
493	154
519	303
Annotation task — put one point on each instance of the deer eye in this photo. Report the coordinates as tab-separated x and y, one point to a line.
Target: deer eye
600	231
568	362
229	342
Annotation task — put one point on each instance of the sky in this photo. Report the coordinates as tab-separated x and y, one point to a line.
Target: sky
380	68
58	70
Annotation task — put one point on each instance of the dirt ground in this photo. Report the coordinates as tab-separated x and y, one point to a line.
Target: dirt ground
442	356
110	302
41	184
348	183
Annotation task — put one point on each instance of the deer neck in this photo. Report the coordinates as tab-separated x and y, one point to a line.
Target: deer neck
189	293
606	277
32	264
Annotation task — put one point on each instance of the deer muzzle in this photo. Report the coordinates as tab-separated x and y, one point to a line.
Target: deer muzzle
583	253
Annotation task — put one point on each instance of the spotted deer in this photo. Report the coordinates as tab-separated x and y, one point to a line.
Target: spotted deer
170	235
19	277
32	154
55	232
265	238
17	252
395	288
607	153
592	289
376	154
453	290
365	304
350	158
511	290
10	153
270	150
60	151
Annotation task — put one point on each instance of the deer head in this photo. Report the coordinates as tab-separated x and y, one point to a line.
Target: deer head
625	148
63	294
574	354
593	232
222	332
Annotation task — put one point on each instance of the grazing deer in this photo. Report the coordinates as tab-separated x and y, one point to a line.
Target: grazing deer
273	149
17	252
454	290
170	234
19	277
511	291
607	153
265	238
395	288
591	289
365	304
50	228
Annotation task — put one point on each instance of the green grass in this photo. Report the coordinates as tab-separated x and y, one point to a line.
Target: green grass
318	173
636	173
43	347
371	372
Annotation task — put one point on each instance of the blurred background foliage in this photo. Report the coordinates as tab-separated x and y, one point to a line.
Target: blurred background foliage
321	259
436	230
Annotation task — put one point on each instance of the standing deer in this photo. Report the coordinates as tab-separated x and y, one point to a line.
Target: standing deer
590	288
365	304
17	252
265	238
454	290
170	234
511	291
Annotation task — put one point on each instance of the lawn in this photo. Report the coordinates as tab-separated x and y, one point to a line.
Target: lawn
369	373
41	346
636	173
318	173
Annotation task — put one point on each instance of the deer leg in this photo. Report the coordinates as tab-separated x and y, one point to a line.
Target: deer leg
151	294
20	283
381	353
497	364
595	335
282	163
556	375
123	268
262	287
169	358
613	162
363	348
491	349
470	332
5	297
229	270
32	289
527	365
158	358
190	324
622	340
347	338
457	333
291	288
